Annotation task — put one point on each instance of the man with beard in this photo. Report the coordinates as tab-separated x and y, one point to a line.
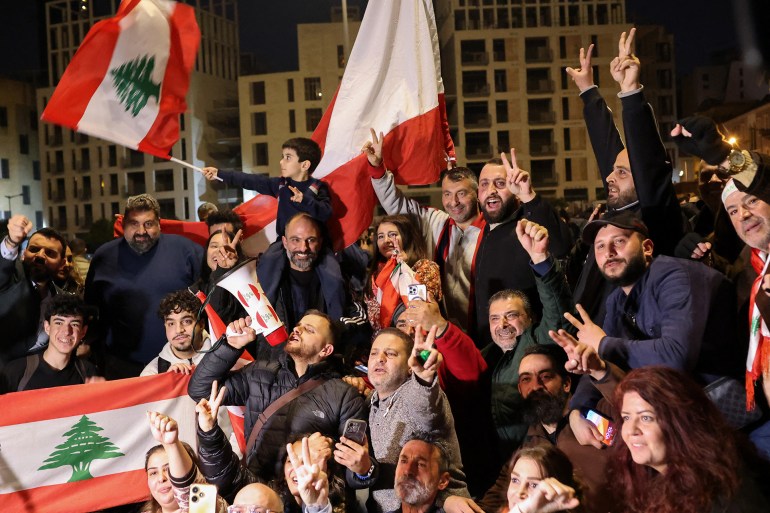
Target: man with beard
307	368
421	473
545	386
299	272
451	235
26	283
637	177
185	338
507	196
128	278
664	311
407	399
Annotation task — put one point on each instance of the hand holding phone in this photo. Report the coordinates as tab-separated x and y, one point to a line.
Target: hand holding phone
417	291
355	430
203	498
605	426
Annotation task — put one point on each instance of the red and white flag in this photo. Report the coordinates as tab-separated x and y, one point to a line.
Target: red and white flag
392	83
81	448
128	80
391	288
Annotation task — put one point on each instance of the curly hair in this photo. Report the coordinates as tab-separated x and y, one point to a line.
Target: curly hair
177	302
702	460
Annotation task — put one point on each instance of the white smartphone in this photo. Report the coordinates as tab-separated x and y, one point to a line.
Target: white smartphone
416	291
203	498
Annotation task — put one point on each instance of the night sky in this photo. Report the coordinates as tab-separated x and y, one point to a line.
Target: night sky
268	29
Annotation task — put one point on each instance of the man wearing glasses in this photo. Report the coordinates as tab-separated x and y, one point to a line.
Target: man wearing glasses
127	279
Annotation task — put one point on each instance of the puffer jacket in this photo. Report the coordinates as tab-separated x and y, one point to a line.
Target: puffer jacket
325	408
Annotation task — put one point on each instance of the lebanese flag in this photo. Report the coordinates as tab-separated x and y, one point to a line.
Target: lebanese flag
128	80
391	288
81	448
392	83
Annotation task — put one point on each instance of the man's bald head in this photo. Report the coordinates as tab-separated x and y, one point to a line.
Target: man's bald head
259	495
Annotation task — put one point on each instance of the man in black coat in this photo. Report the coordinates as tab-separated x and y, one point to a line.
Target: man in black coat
308	355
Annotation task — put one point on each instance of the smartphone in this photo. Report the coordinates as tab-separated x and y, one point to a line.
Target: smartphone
416	291
363	369
355	430
605	426
203	498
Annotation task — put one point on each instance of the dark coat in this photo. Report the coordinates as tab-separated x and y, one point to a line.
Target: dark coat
325	408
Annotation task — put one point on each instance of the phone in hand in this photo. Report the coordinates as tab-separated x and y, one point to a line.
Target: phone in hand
605	426
355	430
203	498
416	291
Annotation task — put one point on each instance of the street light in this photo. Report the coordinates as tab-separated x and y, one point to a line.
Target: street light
11	197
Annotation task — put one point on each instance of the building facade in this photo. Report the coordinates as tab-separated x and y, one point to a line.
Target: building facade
19	155
86	179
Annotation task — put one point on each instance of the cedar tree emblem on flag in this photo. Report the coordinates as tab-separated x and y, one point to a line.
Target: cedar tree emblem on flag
134	85
83	446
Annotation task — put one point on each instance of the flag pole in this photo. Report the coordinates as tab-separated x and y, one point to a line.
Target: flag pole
187	164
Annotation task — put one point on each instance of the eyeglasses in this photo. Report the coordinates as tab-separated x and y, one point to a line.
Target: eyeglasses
250	508
707	174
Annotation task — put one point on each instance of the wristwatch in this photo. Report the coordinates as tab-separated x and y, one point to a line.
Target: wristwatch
739	161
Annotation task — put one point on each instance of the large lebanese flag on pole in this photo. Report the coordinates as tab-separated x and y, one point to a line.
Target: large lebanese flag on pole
128	80
392	83
81	448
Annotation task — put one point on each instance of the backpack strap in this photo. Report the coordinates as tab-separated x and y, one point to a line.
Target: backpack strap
33	360
276	405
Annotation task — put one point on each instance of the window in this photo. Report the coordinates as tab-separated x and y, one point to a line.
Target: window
167	208
25	194
24	144
3	117
498	49
312	118
257	93
565	108
5	171
259	123
503	141
112	155
164	180
501	111
290	89
292	121
501	81
340	56
260	154
313	88
36	170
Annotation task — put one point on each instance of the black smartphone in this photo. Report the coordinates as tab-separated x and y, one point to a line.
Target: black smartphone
355	430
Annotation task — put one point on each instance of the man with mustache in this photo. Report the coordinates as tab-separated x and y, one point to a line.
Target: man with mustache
303	276
127	279
185	338
637	176
26	283
507	196
545	386
664	311
421	473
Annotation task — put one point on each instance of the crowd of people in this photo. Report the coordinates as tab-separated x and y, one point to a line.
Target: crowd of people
532	366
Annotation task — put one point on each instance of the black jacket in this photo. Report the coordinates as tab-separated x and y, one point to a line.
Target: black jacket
502	263
324	409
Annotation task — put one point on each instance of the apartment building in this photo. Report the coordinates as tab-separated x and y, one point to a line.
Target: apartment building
85	179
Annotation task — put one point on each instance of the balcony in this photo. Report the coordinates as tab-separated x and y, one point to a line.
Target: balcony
56	168
55	139
538	54
479	152
59	224
474	58
133	191
541	118
540	86
478	120
58	196
134	160
83	165
543	150
472	89
84	194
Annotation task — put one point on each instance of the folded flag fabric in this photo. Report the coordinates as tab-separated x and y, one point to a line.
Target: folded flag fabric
392	83
128	80
81	448
391	288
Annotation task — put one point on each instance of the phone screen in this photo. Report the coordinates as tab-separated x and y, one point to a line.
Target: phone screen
603	424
